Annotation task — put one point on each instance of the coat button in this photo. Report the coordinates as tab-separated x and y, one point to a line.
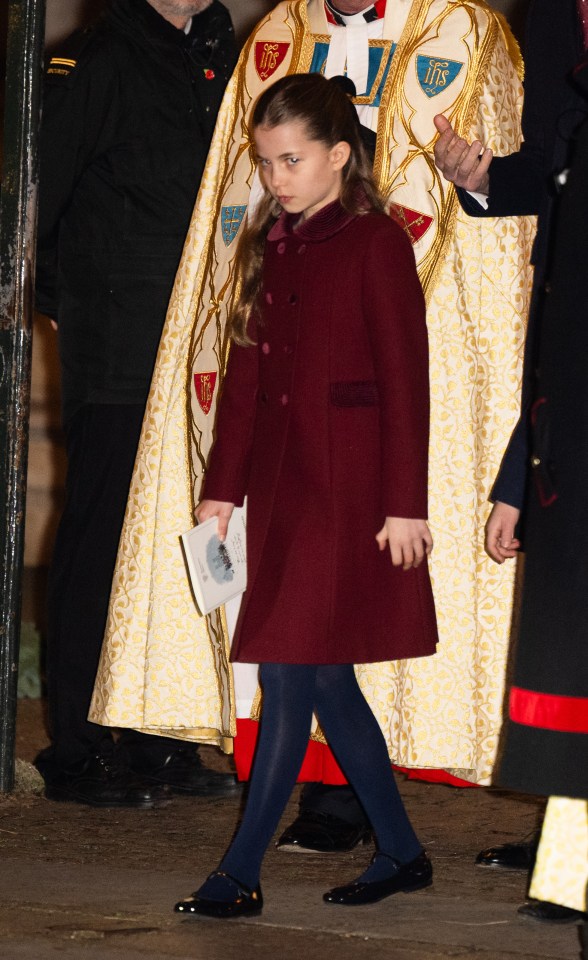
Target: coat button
265	348
292	298
282	247
263	397
288	349
284	399
302	248
536	461
269	298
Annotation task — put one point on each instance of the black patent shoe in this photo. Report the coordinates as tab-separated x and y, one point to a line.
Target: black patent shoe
100	781
245	903
509	856
407	877
317	832
547	912
182	771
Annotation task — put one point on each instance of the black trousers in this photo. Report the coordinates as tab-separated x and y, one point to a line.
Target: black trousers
101	443
337	801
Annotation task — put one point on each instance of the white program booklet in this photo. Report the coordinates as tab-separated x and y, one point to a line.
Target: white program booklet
218	571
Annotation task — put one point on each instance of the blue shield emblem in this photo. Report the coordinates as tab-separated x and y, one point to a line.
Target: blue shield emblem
435	74
231	220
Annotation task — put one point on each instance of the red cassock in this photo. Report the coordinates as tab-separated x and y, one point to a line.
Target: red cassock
323	425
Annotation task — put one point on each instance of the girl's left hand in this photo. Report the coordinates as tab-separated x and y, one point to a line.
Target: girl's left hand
215	508
410	541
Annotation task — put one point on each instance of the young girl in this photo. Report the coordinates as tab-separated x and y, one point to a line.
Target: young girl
323	425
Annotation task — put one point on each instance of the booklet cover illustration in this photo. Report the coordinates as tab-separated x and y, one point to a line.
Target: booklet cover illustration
218	571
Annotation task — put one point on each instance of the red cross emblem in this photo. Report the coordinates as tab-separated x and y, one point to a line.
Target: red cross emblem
415	224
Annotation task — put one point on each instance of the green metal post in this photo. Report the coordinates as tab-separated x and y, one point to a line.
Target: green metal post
26	21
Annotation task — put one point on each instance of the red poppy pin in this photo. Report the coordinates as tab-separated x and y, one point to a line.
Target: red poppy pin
209	74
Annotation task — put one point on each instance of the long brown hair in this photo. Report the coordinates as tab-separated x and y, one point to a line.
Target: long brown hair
329	116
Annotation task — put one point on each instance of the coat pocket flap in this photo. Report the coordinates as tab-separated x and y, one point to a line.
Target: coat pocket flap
354	393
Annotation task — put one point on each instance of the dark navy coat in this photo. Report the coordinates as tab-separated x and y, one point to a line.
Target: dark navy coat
546	748
523	183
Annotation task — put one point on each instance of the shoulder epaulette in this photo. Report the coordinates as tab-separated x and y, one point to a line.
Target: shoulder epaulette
61	66
64	63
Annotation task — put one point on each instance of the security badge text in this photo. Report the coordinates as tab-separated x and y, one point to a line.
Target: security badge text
62	66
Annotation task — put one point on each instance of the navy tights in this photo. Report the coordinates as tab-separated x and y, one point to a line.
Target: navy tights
291	693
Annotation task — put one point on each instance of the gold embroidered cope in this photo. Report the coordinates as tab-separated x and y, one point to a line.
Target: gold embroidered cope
164	669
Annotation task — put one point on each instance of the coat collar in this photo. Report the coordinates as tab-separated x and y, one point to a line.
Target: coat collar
322	226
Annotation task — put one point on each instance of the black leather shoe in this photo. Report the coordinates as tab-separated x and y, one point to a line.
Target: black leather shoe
316	832
245	903
182	771
408	876
100	781
509	856
547	912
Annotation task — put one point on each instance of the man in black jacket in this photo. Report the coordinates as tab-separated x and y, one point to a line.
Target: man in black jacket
546	734
525	182
129	110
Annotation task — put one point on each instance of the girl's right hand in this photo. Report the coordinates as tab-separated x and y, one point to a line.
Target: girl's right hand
215	508
410	541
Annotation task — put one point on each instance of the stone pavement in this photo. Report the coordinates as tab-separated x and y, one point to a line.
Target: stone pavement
84	884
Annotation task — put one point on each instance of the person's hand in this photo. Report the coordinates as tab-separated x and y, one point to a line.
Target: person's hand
410	541
464	164
500	542
215	508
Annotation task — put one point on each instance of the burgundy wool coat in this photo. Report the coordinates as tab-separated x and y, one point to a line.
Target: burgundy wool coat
324	426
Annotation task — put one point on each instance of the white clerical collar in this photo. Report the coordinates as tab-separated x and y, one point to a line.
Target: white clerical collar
349	47
188	26
374	12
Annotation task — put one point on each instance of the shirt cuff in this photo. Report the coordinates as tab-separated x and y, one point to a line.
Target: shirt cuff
481	198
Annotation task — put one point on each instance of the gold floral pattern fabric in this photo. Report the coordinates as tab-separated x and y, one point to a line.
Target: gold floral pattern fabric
163	667
561	869
446	711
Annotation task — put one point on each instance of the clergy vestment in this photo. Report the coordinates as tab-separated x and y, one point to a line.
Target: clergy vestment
163	667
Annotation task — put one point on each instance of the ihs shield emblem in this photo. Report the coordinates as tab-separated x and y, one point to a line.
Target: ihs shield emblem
231	220
204	384
435	74
268	57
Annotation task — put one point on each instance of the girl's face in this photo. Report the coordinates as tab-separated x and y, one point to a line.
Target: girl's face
302	175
